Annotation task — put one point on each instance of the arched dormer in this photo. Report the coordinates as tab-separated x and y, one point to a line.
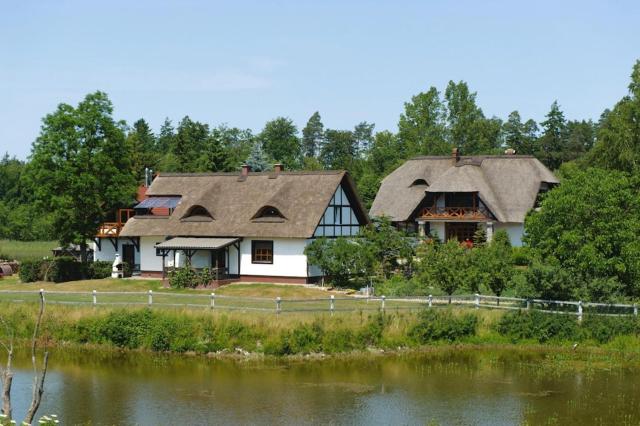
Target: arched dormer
268	214
419	182
197	213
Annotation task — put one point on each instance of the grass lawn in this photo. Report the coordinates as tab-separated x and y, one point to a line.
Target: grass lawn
21	250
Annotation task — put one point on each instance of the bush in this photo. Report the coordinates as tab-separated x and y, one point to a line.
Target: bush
436	325
100	269
188	278
32	270
65	268
540	326
125	329
604	329
520	256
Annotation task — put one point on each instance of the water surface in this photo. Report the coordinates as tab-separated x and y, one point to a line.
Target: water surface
470	387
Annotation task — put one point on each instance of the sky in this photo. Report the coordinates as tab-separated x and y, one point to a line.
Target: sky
244	63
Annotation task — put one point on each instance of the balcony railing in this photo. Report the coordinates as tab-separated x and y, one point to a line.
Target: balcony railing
112	229
453	213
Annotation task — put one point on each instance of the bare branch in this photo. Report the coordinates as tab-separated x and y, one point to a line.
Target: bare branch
38	381
6	375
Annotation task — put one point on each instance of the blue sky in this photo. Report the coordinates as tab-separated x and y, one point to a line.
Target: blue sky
243	63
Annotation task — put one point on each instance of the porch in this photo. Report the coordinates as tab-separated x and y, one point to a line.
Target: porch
220	255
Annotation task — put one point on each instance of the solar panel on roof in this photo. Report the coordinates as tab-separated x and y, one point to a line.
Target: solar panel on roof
159	202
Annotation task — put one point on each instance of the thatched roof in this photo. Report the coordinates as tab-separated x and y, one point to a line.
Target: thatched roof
507	184
232	202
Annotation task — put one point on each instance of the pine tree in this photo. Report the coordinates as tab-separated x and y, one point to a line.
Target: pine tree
313	136
257	160
553	143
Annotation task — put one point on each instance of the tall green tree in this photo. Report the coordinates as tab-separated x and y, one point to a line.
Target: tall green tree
552	146
618	137
339	150
589	225
421	127
313	136
280	141
363	134
189	143
80	168
468	128
142	144
520	136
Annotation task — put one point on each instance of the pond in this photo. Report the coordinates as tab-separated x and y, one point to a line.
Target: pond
465	387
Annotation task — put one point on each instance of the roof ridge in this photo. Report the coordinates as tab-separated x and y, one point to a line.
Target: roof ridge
269	173
479	156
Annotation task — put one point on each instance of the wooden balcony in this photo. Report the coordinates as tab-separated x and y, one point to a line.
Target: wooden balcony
112	229
453	213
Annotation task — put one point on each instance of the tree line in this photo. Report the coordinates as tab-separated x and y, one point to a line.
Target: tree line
85	155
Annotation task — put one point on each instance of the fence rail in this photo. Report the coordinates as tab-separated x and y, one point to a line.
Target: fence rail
330	304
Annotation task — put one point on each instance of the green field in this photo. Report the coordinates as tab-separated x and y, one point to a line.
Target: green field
21	250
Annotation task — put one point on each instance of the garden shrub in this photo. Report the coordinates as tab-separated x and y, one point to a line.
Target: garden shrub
604	329
31	270
65	268
436	325
100	269
125	329
339	340
540	326
189	278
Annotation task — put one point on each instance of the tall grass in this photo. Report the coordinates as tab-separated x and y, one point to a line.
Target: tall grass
179	330
21	250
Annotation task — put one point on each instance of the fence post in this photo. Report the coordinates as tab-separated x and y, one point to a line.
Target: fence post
213	300
528	304
150	297
635	309
42	294
95	298
278	302
332	304
580	310
430	300
384	298
477	301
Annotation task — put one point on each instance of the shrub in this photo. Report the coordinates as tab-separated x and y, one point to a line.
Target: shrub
604	329
31	270
125	329
543	327
188	278
65	269
436	325
339	340
520	256
100	269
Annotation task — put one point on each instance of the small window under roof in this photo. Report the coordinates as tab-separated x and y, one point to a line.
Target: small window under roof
419	182
197	213
268	214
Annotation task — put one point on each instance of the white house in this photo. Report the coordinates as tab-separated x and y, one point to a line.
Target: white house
250	227
452	196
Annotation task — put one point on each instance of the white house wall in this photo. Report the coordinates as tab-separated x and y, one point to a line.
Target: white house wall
289	259
514	230
148	259
437	228
107	252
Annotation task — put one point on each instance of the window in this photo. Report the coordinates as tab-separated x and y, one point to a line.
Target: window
197	214
261	251
460	231
268	214
419	182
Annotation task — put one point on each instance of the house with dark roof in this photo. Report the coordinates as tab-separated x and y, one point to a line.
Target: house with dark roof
250	226
452	197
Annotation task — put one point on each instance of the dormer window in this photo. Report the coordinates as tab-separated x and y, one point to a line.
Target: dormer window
268	214
419	182
197	214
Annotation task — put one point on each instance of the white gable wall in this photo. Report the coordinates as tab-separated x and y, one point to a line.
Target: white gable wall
289	259
514	230
108	253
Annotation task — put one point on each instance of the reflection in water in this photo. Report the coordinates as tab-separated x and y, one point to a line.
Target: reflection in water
468	388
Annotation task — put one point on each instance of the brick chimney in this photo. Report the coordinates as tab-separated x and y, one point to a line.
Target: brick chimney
277	169
455	155
244	173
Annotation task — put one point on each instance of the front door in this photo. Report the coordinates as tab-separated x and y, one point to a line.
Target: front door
129	255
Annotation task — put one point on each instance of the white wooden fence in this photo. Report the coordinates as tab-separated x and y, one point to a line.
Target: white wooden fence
331	304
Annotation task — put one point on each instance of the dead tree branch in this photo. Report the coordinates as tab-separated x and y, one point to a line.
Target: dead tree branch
6	375
38	379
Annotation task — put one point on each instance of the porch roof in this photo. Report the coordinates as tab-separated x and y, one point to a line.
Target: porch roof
195	243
